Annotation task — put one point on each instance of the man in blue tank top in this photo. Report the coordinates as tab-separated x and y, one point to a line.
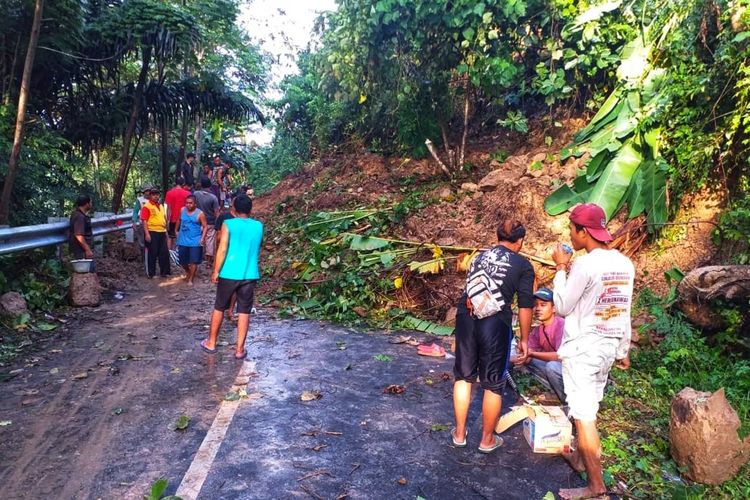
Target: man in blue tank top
191	229
236	271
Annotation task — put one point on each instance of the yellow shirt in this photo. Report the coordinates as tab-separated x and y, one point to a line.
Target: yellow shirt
155	216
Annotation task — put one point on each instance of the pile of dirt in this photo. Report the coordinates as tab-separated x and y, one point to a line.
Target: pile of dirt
465	211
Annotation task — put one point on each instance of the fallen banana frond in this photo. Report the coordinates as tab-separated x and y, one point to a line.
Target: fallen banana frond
431	246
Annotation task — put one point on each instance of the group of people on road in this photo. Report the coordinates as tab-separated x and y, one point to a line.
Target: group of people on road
584	329
584	320
201	225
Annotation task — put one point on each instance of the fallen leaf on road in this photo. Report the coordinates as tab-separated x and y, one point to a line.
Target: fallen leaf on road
428	381
54	371
80	376
180	424
232	396
5	423
242	393
174	370
394	389
445	377
319	447
402	481
439	427
310	395
383	357
117	411
348	367
341	345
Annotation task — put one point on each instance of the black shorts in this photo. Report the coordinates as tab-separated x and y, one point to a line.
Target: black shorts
482	349
171	230
245	290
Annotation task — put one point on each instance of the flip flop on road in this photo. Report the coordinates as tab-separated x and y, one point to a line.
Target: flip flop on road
433	350
457	443
206	349
498	444
241	356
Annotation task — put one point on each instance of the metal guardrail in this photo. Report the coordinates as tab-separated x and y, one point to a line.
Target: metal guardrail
16	239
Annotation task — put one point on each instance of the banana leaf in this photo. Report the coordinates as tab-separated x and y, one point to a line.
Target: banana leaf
609	111
365	243
634	60
562	199
655	192
421	325
614	181
596	166
571	150
634	196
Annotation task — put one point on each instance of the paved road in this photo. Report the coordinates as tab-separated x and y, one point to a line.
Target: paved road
107	435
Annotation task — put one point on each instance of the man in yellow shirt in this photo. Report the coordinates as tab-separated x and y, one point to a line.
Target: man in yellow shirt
154	217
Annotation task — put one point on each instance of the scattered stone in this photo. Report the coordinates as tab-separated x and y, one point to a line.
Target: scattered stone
13	304
476	196
703	436
85	290
445	193
469	187
491	181
540	157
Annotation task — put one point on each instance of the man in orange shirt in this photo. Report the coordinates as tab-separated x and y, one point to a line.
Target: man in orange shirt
154	217
175	202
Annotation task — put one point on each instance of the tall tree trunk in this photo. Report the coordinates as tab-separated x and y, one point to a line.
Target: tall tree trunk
183	142
23	96
135	111
164	139
198	138
7	94
462	149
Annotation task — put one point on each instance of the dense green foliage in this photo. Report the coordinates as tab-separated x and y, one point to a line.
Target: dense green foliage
187	65
670	80
398	71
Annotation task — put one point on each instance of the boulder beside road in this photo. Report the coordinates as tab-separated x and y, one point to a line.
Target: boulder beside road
12	304
703	436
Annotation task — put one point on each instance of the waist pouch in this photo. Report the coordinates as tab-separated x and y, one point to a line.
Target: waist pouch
481	302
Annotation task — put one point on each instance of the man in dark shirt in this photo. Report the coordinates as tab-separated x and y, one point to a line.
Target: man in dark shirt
81	235
186	170
209	205
484	330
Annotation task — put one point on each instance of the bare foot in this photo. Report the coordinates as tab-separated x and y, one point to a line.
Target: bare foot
575	461
579	493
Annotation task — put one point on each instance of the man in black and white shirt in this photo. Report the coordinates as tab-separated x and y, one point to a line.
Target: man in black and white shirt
483	330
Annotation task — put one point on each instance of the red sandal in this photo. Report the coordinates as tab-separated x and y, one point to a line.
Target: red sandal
434	350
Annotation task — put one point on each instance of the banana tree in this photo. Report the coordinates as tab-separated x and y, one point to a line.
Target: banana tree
622	141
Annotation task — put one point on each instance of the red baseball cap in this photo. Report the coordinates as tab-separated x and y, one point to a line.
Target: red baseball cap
591	216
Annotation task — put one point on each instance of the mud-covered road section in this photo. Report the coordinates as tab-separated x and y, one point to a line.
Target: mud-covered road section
90	412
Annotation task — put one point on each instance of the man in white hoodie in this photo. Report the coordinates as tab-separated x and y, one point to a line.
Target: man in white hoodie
595	298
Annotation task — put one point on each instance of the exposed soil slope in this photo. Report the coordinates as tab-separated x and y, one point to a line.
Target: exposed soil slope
459	216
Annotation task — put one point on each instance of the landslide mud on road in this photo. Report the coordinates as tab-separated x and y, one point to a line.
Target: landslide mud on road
90	411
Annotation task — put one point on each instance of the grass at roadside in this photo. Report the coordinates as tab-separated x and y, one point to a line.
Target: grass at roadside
634	420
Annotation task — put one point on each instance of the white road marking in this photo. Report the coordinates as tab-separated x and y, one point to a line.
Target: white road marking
196	475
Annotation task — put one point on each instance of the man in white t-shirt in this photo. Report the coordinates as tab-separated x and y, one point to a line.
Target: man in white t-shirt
595	299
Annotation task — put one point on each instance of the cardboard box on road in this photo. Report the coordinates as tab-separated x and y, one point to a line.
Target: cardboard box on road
547	429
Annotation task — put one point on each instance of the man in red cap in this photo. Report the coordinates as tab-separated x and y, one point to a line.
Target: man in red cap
595	298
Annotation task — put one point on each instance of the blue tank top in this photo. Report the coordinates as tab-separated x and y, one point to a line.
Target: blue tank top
190	229
241	262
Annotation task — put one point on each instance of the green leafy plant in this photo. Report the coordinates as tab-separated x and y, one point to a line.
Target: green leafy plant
516	121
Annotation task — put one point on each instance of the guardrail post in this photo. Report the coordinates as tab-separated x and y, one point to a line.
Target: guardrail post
58	248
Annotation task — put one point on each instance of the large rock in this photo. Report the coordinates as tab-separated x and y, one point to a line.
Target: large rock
85	290
469	187
491	181
703	436
12	304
